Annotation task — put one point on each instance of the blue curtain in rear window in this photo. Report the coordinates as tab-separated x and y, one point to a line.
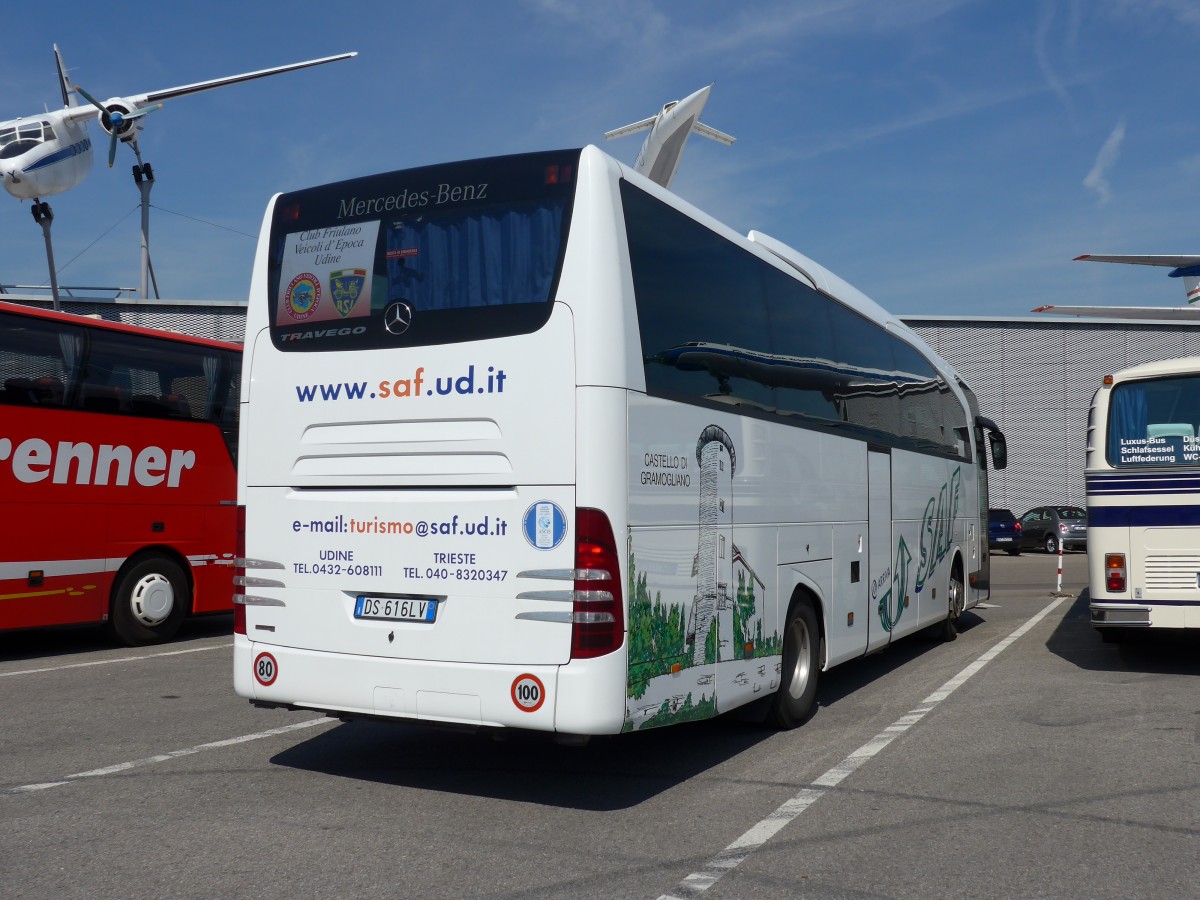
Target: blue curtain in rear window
475	258
1127	418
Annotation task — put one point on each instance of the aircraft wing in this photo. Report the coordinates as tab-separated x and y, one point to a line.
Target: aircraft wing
1159	313
709	132
168	93
630	129
1174	262
79	113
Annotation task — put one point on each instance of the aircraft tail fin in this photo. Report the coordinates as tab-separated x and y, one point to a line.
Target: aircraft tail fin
1191	283
64	83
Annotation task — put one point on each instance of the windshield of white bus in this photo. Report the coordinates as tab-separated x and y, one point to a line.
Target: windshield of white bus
1153	422
463	251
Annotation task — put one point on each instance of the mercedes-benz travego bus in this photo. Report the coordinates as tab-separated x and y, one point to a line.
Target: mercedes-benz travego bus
531	442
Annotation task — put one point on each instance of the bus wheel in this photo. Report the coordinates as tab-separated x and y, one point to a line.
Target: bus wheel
949	627
795	700
149	601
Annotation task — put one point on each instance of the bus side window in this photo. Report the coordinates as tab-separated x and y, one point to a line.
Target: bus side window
103	398
38	361
189	396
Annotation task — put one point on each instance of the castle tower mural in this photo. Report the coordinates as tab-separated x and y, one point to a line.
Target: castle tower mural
714	553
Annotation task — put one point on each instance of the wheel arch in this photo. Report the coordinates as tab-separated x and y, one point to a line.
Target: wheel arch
805	590
148	552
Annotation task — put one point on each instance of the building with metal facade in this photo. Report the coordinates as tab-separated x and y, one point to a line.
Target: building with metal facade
220	320
1034	376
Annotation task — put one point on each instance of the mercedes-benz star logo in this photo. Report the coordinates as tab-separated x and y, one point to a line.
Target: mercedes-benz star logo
397	318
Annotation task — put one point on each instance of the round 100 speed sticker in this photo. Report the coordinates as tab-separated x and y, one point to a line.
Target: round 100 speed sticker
266	670
528	693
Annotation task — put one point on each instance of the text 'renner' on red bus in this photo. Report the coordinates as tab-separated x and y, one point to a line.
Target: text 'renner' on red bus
117	474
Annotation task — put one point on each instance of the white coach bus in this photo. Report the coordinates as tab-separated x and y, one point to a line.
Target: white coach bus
530	442
1143	497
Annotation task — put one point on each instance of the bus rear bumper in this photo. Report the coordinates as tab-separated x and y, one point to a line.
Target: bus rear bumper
584	697
1167	614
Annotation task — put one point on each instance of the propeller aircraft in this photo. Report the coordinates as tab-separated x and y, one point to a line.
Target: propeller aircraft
669	130
50	153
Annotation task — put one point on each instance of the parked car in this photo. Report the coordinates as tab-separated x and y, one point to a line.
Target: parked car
1049	526
1004	531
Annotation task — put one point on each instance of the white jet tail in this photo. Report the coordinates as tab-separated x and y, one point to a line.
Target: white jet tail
669	130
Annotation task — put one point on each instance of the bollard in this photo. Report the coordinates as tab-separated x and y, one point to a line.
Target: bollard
1058	591
1058	587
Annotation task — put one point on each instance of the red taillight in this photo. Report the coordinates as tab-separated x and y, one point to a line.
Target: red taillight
1114	572
598	613
239	574
558	174
1017	526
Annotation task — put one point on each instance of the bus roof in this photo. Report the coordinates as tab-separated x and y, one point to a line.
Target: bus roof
34	312
1184	365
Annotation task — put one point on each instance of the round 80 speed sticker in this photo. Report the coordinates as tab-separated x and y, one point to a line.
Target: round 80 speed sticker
266	670
528	693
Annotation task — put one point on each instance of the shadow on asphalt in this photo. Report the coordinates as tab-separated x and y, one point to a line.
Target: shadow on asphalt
844	680
609	773
1148	652
67	640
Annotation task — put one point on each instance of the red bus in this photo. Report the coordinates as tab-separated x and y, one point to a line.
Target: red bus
117	474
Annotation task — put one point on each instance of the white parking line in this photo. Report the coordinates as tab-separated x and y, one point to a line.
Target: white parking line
164	757
120	659
737	852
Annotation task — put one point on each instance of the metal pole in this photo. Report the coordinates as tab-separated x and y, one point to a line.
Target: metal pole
44	216
143	176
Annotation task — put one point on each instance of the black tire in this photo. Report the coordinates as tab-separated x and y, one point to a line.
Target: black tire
795	700
1051	544
949	627
149	600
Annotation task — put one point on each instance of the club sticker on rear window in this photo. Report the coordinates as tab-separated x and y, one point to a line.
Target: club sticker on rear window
324	274
544	525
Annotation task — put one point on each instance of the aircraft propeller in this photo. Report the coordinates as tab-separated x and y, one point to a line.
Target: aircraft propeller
115	121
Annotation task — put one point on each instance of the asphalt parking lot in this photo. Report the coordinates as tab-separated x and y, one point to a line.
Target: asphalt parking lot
1025	759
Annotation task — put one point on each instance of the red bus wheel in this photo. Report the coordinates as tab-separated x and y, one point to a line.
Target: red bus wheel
149	601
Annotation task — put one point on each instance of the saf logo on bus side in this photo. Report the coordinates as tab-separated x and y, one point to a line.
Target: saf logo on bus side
937	536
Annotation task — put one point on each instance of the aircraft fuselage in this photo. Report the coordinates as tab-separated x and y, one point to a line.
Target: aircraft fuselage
47	155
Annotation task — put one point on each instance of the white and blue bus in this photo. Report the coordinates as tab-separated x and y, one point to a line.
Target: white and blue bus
530	442
1143	497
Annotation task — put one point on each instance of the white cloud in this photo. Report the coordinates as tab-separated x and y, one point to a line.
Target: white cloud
1042	52
1185	11
1097	179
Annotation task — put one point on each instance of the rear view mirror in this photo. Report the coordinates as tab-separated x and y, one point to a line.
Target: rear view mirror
999	449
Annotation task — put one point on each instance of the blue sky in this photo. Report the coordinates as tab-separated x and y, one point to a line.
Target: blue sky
945	156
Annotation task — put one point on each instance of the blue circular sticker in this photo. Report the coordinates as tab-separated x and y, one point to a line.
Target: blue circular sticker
544	525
